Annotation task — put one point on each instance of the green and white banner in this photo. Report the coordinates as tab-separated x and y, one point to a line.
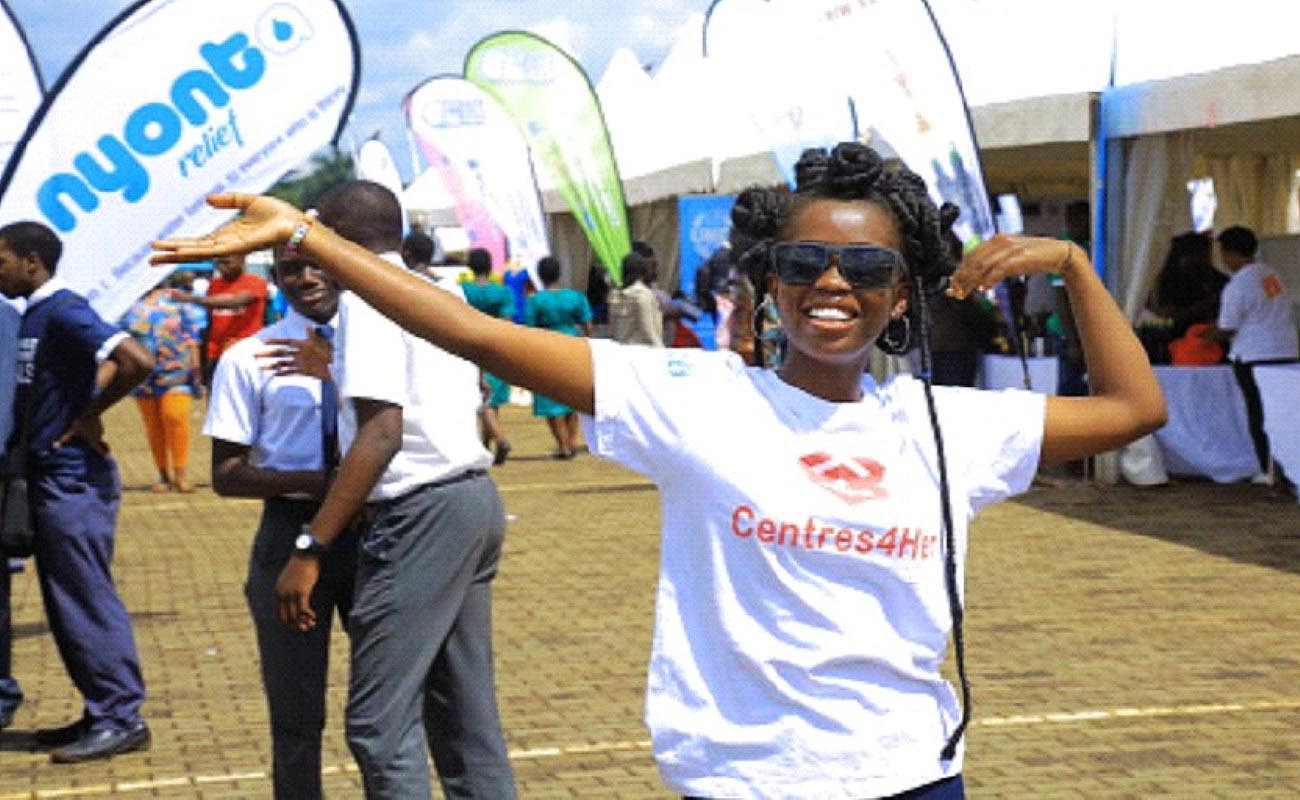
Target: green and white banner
554	105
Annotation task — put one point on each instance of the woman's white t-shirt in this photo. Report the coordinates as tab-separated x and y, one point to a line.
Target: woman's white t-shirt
801	614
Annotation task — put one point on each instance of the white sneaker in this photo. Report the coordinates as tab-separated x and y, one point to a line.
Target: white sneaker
1262	479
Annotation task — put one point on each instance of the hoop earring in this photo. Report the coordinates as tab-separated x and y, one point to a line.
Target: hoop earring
897	335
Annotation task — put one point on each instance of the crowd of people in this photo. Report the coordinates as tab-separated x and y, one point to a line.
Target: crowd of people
814	534
850	260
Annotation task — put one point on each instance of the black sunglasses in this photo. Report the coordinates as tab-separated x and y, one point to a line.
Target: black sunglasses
864	266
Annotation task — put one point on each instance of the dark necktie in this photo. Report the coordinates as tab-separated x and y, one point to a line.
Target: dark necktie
329	411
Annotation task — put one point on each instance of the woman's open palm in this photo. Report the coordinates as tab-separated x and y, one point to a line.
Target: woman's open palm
263	222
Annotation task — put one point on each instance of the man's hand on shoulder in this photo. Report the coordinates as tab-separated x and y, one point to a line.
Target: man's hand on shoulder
310	356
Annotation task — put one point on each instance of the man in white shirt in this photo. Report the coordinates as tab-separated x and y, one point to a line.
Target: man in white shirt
271	441
1255	312
433	527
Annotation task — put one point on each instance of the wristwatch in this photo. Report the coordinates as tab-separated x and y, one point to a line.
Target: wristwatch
307	545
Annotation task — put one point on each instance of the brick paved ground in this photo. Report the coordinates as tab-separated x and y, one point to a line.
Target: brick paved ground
1124	643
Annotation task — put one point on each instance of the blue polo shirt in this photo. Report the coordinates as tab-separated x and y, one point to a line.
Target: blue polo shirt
77	340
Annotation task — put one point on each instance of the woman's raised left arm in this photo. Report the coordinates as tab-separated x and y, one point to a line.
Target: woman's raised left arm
1125	401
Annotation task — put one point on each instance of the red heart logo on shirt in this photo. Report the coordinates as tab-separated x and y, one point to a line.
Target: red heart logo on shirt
854	480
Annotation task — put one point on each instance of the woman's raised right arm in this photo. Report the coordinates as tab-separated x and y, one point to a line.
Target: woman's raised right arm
553	364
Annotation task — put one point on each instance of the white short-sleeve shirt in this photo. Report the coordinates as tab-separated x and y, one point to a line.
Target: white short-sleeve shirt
278	417
1256	306
375	359
801	611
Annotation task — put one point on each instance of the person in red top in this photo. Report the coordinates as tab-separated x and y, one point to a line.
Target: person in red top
236	301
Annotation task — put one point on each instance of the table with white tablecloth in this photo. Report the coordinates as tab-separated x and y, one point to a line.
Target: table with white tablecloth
1207	433
1279	391
1007	372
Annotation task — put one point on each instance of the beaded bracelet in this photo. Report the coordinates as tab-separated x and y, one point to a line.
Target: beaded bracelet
299	233
1065	262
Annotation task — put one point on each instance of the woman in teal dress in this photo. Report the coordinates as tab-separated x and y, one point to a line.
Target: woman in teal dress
493	299
564	311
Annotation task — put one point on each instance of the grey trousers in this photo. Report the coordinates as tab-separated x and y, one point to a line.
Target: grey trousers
421	631
295	665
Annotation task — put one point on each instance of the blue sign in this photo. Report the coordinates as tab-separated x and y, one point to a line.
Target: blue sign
703	225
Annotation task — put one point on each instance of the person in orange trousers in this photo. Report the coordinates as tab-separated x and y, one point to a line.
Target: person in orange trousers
166	397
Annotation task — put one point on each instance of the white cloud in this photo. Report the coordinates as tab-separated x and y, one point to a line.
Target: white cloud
421	44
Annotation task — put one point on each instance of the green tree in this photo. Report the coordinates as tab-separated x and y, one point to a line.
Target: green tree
305	185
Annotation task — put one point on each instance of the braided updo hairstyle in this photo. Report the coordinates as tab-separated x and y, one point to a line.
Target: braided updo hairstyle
852	172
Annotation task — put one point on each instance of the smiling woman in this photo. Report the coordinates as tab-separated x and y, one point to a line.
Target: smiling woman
814	521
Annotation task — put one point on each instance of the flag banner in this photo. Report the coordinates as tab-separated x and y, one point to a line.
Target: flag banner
482	157
20	83
703	227
555	107
374	162
172	101
786	111
889	57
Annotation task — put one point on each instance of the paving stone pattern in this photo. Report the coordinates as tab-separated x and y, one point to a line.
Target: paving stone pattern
1123	643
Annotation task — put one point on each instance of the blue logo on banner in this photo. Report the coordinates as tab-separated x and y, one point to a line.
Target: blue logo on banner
282	29
156	128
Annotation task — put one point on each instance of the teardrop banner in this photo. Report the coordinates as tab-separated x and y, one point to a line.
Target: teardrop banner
175	100
483	160
554	105
374	162
787	109
21	88
890	58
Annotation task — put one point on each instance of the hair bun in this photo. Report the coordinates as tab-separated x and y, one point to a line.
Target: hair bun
758	212
756	219
852	169
810	169
910	178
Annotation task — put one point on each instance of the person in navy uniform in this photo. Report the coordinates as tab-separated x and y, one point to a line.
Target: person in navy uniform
85	366
11	695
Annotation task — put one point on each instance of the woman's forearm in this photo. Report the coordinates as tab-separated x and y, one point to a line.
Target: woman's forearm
1125	401
558	366
1116	361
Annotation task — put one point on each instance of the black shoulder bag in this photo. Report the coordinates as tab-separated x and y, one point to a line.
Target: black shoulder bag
17	526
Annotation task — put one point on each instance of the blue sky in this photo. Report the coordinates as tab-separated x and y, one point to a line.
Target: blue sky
405	41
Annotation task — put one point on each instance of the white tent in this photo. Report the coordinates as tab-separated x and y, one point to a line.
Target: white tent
1240	125
428	202
623	92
